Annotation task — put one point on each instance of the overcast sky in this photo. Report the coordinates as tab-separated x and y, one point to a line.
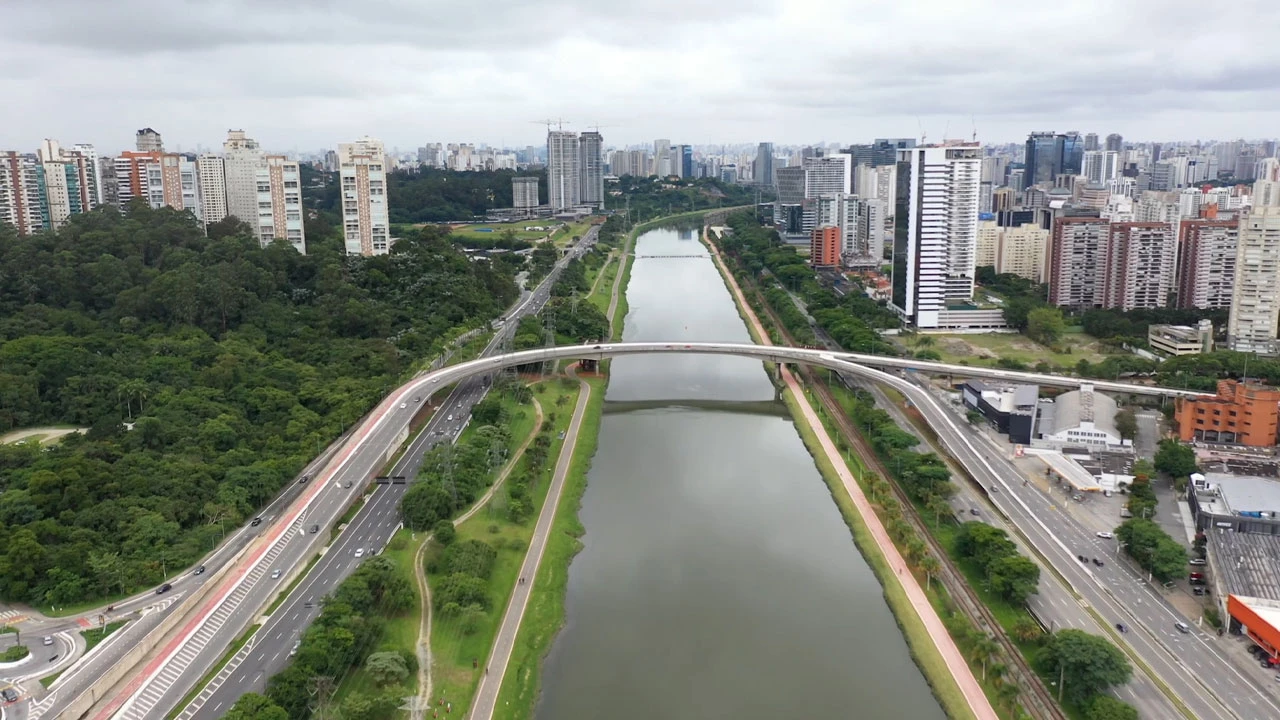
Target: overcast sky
307	74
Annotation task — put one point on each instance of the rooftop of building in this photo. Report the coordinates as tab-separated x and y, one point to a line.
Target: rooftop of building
1266	608
1248	564
1071	409
1007	397
1235	494
1176	332
1100	463
1215	462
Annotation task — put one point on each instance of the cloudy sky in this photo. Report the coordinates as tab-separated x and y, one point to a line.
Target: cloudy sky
307	74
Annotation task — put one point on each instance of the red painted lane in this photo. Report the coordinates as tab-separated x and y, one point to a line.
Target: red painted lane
229	586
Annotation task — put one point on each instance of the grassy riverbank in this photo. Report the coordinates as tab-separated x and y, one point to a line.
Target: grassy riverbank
545	614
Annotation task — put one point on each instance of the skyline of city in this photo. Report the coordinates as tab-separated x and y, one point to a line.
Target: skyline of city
286	70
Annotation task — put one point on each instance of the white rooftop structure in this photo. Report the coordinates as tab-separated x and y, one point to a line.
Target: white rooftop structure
1227	494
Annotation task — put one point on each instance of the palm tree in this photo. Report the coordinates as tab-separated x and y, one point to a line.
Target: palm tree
916	549
937	505
924	341
1008	694
1026	630
931	566
985	649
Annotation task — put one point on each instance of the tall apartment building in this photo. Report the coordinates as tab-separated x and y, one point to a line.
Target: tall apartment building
935	233
524	192
136	172
868	249
860	224
591	169
1114	143
362	173
242	157
824	246
1140	265
20	192
93	171
1207	263
148	140
1255	301
107	182
1077	262
211	171
1049	155
1101	166
1019	250
279	189
827	175
68	178
563	181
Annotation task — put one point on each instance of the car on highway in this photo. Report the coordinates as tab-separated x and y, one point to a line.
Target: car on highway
9	694
404	405
449	419
1182	627
359	552
1106	535
199	571
974	511
316	528
435	380
48	640
275	574
256	522
418	399
294	650
164	589
1121	627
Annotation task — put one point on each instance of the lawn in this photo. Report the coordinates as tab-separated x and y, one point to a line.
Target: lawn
986	349
457	656
96	635
494	231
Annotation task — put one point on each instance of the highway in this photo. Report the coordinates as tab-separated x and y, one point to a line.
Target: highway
1191	664
1053	604
368	531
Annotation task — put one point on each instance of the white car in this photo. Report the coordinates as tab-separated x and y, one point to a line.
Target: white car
359	552
275	574
404	405
1105	535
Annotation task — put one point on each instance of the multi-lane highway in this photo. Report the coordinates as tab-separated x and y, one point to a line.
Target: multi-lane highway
1192	665
367	532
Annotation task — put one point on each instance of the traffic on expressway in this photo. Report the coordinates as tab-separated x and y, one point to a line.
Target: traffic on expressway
242	575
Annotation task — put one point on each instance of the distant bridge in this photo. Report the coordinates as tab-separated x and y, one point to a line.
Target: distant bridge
690	257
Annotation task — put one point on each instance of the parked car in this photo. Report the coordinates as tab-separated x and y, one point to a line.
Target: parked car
1197	561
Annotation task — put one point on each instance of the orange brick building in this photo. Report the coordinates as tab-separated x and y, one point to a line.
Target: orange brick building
824	247
1241	414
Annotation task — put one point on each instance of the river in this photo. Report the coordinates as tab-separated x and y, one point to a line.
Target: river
717	578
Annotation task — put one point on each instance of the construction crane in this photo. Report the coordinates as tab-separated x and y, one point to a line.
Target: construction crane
558	122
598	126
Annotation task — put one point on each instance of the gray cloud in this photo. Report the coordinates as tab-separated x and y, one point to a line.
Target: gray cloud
306	74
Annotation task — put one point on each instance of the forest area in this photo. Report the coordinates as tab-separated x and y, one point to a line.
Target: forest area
435	195
651	197
208	371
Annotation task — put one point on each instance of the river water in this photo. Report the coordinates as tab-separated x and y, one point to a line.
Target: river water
718	579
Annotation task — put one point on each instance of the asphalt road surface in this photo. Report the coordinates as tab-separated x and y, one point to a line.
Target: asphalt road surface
369	530
1193	664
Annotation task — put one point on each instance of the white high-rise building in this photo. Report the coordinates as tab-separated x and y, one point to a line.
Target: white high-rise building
149	140
279	189
828	175
211	173
1101	166
365	222
242	157
563	183
840	210
591	169
869	249
936	231
524	192
1255	301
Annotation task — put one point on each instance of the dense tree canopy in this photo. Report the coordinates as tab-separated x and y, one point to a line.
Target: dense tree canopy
432	194
647	198
230	363
1088	664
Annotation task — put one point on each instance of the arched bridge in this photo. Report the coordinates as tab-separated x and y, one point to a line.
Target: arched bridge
839	361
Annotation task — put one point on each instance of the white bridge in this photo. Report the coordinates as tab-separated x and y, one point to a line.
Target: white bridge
775	353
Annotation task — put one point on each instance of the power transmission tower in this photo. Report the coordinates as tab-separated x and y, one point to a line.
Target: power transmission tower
549	338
